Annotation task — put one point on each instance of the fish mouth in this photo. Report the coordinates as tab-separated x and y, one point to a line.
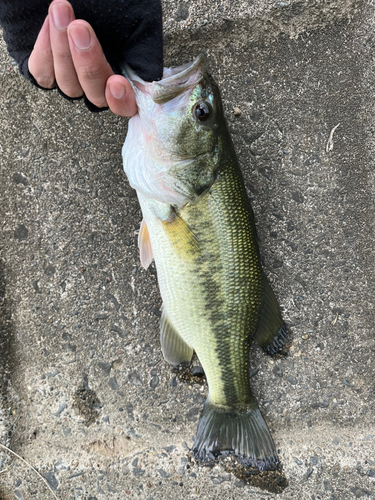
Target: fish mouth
182	74
175	80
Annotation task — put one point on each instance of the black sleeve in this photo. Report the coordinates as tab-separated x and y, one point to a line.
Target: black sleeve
21	21
129	31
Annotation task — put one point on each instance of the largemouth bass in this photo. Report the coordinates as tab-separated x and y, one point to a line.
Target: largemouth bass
199	227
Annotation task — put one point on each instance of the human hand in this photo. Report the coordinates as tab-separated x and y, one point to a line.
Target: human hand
68	52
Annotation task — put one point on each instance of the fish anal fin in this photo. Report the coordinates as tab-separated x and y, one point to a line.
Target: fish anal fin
271	332
175	350
144	245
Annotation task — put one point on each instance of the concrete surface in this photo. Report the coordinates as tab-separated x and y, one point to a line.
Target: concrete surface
86	397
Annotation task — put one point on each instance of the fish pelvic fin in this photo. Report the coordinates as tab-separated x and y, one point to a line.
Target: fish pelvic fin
175	350
144	245
271	333
241	433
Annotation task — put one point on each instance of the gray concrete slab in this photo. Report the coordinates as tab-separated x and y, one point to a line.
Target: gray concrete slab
86	397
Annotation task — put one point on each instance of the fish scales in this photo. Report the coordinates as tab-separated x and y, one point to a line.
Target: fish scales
199	227
220	279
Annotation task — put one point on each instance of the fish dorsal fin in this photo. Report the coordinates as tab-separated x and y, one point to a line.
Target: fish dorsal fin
144	245
271	332
175	349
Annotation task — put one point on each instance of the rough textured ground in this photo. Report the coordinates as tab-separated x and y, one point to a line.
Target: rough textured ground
85	396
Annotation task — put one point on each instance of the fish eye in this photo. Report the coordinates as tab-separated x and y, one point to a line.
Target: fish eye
202	111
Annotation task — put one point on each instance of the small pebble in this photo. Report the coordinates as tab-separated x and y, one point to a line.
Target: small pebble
113	384
138	472
277	371
163	474
134	378
99	317
236	111
154	382
240	484
51	480
120	332
307	474
60	410
183	464
197	371
169	449
253	372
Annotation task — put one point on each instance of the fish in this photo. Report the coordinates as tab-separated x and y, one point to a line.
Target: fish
198	226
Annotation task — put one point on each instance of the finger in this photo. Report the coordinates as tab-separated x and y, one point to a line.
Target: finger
92	67
61	14
120	96
41	59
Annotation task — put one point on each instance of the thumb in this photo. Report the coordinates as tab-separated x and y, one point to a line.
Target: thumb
120	96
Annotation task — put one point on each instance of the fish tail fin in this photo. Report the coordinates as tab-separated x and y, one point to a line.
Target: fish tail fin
242	433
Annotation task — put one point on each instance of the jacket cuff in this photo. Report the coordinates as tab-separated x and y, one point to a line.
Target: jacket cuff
24	70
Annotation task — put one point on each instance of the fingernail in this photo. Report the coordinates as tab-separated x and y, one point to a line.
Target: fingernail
117	90
62	15
81	37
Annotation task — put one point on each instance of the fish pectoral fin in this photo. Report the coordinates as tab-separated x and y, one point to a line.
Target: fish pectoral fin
180	233
271	332
175	349
144	245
